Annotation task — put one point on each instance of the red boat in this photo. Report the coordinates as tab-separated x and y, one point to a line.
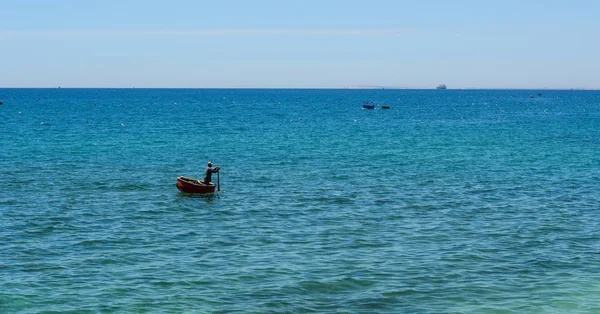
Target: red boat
195	186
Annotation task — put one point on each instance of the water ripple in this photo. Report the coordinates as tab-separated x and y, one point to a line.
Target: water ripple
458	202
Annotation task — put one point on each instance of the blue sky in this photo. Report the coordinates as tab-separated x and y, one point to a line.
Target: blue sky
300	44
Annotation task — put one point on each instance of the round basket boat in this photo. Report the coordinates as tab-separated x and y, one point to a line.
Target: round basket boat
194	186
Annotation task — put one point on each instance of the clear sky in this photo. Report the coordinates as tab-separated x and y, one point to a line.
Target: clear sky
300	44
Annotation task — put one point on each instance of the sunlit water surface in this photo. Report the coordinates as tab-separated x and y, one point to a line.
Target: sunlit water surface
448	202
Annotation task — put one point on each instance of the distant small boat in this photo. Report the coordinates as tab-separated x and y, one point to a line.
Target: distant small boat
385	107
1	102
368	105
194	186
441	86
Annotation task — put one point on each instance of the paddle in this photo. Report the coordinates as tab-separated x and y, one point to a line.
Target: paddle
219	181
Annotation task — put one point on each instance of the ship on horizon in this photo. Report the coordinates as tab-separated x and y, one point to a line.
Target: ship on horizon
441	86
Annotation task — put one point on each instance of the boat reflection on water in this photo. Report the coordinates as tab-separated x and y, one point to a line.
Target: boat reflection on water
210	197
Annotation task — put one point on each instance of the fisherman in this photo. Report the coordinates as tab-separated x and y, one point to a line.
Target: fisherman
209	171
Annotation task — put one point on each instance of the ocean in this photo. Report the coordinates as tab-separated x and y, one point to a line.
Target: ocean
451	201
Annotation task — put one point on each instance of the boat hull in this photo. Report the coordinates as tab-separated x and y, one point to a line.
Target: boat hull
194	186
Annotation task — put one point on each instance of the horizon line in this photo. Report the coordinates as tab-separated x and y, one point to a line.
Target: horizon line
336	88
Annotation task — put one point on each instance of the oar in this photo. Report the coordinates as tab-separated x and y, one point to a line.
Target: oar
219	180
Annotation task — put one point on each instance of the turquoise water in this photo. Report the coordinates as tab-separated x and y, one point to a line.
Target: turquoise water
449	202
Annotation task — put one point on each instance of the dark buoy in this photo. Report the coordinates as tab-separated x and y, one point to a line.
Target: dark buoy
385	107
1	102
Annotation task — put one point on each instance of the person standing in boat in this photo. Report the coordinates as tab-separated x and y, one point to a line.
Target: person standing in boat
209	171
